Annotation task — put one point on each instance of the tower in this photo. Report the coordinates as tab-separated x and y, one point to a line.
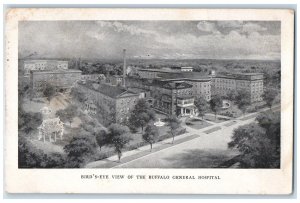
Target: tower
124	67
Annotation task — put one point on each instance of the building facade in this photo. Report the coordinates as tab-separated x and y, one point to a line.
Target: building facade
31	65
247	82
200	87
60	79
93	77
111	104
169	97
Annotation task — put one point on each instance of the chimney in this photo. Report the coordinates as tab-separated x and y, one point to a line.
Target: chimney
124	67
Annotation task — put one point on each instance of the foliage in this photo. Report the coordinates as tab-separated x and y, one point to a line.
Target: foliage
118	136
101	137
78	95
269	96
48	91
141	115
23	90
271	123
232	95
28	121
80	150
151	135
259	144
67	114
174	124
31	157
93	128
216	104
202	106
243	100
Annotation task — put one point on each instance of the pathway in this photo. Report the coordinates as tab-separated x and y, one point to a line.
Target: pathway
131	156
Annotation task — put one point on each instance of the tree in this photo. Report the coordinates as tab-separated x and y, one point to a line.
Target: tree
271	123
80	150
92	127
216	104
231	96
101	137
78	95
141	115
28	121
202	106
29	156
118	136
151	135
67	114
174	124
49	91
256	150
243	100
269	96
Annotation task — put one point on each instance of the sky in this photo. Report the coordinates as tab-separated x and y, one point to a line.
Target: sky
150	39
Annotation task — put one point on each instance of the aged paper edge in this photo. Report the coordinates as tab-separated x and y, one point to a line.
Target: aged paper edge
233	181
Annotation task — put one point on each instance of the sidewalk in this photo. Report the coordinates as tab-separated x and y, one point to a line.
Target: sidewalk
192	133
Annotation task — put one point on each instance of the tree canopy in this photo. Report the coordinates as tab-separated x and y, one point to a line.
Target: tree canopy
101	137
118	136
80	150
29	156
67	114
141	115
202	106
78	95
259	144
28	121
151	135
269	96
49	91
243	100
232	95
216	104
174	124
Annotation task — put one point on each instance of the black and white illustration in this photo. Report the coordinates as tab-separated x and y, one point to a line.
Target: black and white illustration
149	94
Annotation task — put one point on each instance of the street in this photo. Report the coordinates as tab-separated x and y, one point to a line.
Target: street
207	148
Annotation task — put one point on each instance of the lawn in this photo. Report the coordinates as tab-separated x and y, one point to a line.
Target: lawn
212	119
197	124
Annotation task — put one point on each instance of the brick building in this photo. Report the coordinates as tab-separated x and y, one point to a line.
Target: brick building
248	82
61	79
93	77
42	65
112	104
183	69
201	85
169	97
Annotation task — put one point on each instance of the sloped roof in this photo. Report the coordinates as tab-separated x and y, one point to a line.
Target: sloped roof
108	90
185	76
171	84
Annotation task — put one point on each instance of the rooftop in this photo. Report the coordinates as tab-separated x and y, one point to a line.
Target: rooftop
185	76
239	75
108	90
171	84
185	97
157	70
56	71
43	60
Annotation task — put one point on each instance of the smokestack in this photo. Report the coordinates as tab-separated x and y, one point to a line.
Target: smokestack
124	67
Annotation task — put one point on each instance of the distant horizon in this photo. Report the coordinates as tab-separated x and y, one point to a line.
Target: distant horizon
134	59
173	40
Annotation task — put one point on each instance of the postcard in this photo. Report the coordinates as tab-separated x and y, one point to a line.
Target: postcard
149	101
